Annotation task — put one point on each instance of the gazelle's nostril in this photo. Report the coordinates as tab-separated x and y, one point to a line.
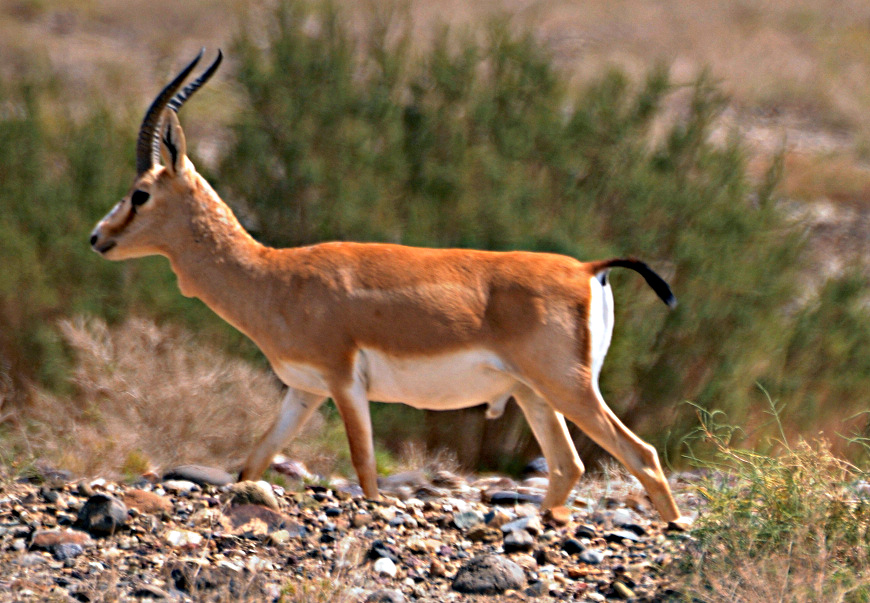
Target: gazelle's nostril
93	240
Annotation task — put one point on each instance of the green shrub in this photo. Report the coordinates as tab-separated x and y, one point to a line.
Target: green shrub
58	176
476	142
52	181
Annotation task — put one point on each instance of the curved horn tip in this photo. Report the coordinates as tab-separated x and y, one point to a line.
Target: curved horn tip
145	142
181	97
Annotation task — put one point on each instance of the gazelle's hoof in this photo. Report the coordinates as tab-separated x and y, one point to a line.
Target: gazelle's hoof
681	524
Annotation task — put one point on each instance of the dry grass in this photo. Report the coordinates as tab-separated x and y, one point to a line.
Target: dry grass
792	576
149	396
836	177
791	523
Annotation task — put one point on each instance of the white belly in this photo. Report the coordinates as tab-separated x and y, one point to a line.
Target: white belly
443	382
304	377
454	380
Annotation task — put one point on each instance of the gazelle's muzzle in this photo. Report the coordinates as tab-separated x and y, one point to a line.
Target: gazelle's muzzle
99	243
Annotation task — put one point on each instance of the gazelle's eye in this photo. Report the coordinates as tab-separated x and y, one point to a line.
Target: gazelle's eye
139	197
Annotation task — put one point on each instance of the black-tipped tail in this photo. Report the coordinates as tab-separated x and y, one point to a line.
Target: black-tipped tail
658	284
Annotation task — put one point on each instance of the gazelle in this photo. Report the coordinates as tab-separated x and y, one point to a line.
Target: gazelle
436	329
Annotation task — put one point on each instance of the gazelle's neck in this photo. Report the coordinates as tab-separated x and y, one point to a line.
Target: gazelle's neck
217	261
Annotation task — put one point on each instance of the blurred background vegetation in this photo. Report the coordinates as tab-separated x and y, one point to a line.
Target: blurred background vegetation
337	127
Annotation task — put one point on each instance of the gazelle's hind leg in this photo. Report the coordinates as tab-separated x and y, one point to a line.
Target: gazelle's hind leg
552	434
296	408
592	415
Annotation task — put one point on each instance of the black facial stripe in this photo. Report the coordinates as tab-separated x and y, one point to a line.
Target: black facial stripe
129	218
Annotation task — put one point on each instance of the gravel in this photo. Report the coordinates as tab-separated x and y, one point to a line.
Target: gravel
449	539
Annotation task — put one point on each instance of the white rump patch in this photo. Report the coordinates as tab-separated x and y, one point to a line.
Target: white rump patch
600	323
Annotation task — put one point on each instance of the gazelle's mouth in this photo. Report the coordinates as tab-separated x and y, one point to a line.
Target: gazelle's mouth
104	247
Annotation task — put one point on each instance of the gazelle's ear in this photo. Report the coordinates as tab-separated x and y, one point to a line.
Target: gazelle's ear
173	147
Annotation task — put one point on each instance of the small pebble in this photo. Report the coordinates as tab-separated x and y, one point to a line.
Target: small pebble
592	556
385	567
573	546
518	540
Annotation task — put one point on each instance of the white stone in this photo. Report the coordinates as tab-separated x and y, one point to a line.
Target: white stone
385	513
235	567
178	486
183	538
385	567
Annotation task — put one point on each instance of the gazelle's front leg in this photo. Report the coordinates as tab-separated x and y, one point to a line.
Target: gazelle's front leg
353	405
296	408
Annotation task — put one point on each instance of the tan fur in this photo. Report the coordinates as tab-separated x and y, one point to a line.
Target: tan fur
315	310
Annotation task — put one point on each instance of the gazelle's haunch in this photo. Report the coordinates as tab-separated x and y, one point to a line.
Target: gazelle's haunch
432	328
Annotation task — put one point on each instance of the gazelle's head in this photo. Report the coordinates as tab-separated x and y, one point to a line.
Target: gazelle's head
144	220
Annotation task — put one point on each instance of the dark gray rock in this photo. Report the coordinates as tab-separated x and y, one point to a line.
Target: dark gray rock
505	497
532	525
386	595
149	591
67	550
381	549
43	473
638	529
584	531
31	560
591	556
536	467
621	535
518	541
466	520
537	590
49	495
573	546
625	519
198	474
102	515
489	575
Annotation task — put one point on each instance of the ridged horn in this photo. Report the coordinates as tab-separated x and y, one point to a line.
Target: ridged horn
182	97
145	142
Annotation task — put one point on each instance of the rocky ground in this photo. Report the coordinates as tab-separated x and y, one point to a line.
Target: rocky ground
192	534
